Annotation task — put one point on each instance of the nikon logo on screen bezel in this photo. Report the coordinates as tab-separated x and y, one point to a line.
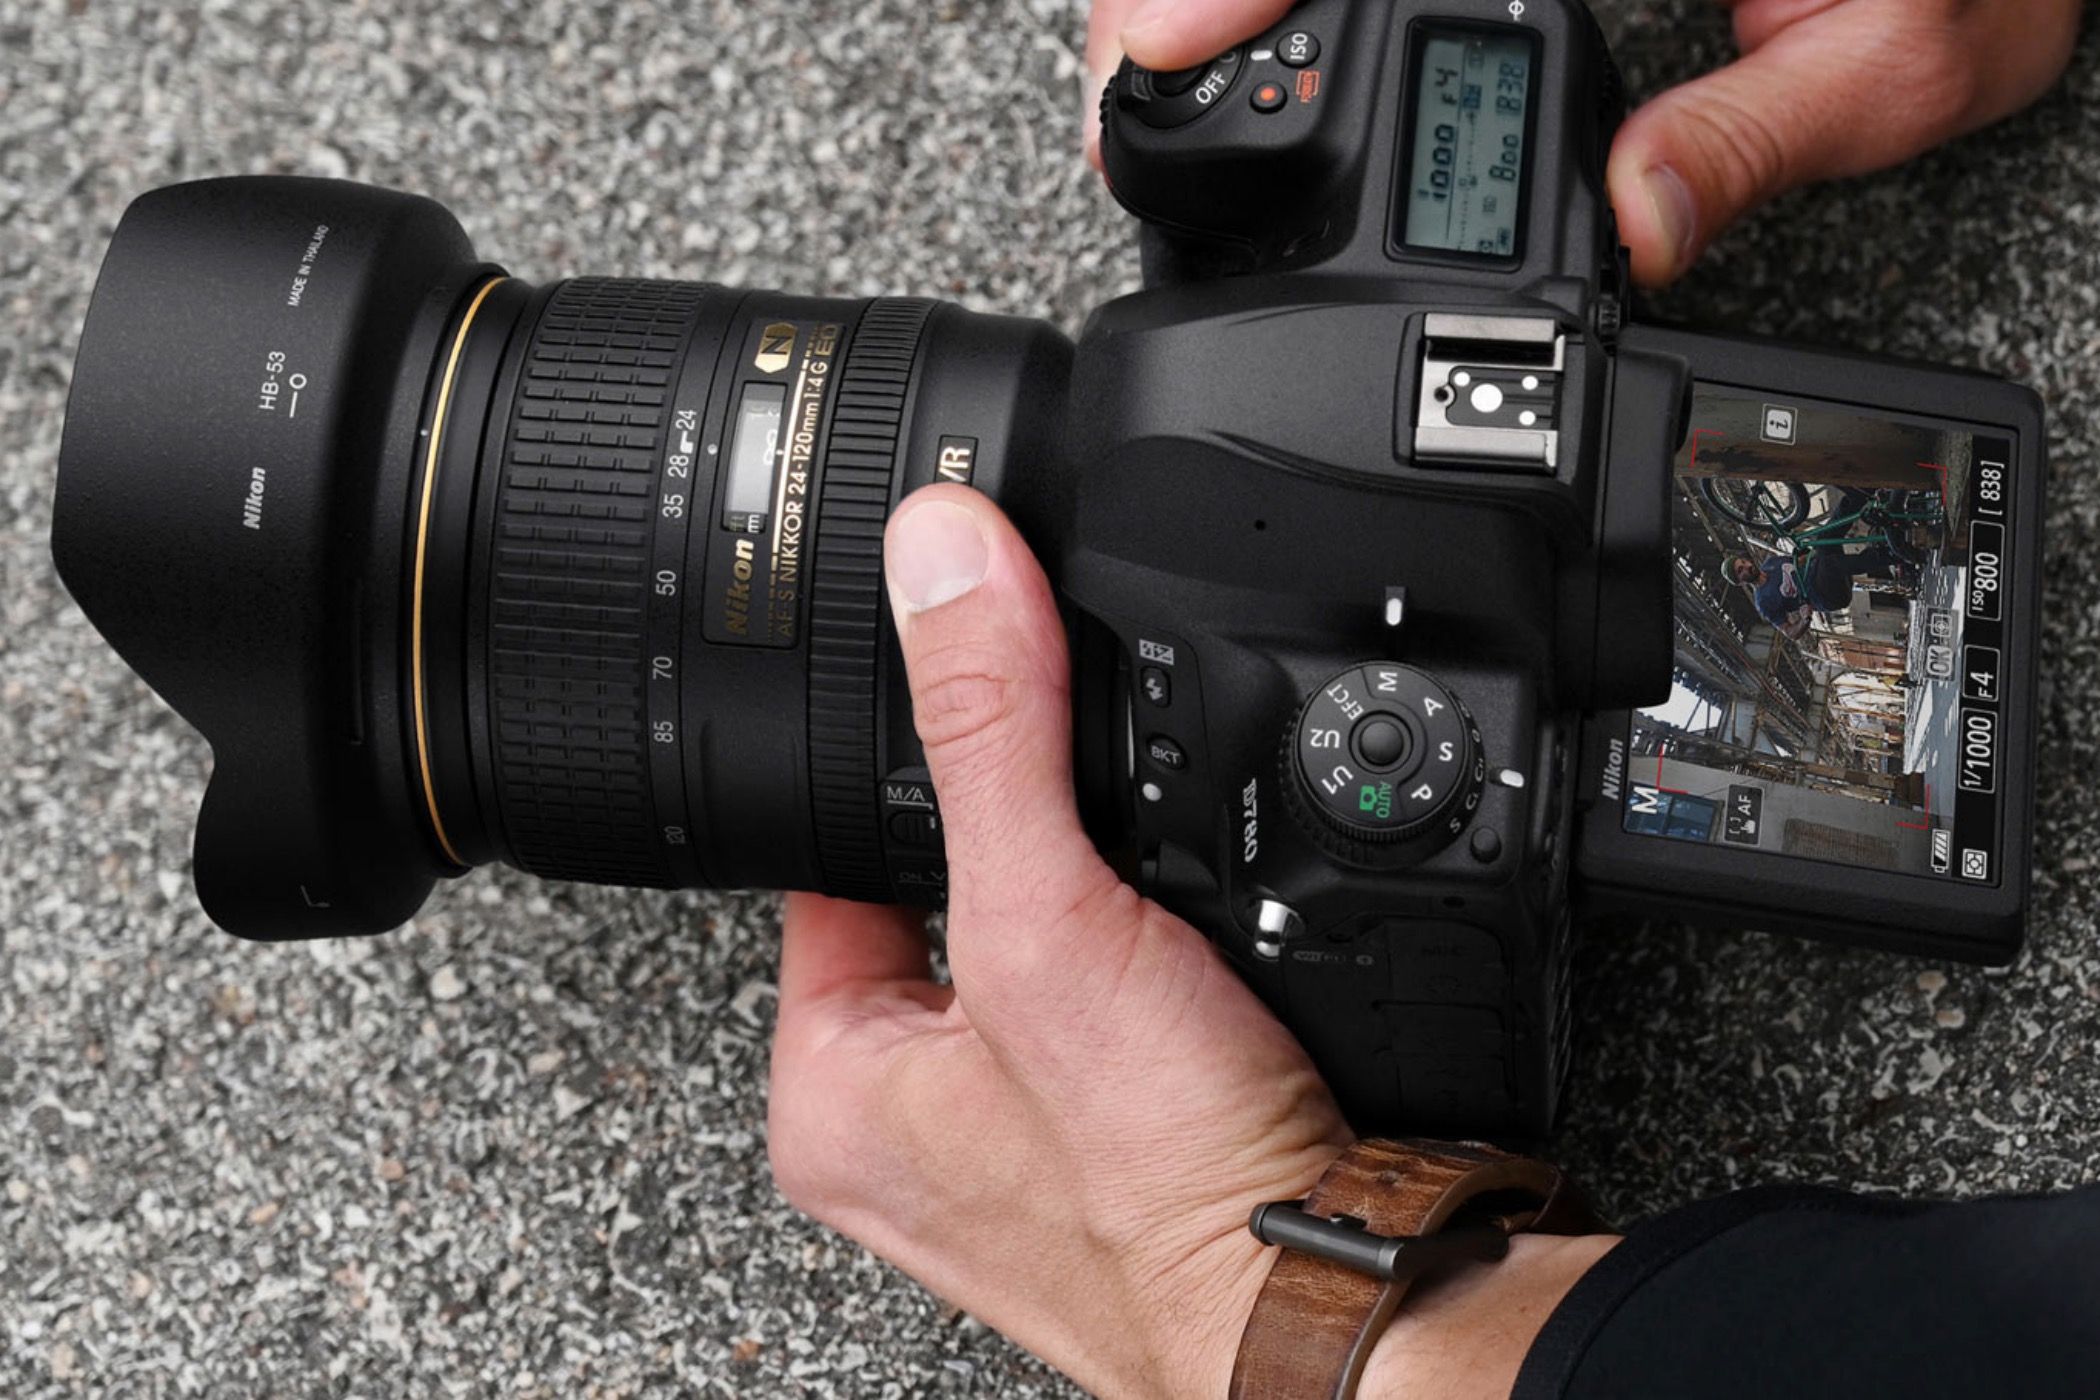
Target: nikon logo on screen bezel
776	348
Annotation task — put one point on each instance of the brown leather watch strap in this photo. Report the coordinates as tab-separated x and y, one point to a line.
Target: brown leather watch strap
1315	1323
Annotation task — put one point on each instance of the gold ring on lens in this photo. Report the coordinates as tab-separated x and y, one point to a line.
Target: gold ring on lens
415	623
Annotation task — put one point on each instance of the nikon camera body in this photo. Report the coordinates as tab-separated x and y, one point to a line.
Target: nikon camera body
1379	453
1422	601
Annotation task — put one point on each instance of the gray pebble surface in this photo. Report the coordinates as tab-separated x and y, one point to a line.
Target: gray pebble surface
518	1148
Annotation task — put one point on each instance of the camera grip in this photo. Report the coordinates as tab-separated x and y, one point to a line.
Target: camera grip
1434	1024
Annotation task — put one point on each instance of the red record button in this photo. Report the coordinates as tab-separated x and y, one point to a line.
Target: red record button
1270	97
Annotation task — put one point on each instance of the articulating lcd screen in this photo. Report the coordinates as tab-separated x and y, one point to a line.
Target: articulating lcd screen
1841	633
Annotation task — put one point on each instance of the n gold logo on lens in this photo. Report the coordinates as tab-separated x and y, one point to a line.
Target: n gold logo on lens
776	347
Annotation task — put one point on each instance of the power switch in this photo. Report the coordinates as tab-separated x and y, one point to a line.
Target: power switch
1164	101
1175	84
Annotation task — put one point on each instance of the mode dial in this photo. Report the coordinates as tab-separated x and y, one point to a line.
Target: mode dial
1385	754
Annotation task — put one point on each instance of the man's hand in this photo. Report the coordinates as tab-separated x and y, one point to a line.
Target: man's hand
1824	89
1068	1140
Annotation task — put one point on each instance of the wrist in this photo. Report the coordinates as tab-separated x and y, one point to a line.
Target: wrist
1233	1271
1466	1334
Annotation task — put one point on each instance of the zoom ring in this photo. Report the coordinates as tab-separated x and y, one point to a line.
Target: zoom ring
845	604
570	587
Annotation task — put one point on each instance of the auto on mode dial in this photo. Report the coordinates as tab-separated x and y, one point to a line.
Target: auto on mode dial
1385	752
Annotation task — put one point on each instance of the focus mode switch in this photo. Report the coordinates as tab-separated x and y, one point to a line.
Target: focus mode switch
912	838
916	829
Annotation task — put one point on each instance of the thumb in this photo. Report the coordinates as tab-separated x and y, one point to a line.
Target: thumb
1163	35
991	696
1856	88
1168	34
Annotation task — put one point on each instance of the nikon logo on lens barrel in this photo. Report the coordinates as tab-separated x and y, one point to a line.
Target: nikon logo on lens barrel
776	347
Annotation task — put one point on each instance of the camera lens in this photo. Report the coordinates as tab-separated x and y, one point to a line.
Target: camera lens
451	568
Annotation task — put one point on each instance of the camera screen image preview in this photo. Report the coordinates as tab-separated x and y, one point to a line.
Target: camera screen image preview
1867	730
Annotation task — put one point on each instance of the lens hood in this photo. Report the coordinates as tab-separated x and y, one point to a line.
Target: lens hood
231	515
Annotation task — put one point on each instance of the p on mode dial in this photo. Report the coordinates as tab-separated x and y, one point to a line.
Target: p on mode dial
1385	754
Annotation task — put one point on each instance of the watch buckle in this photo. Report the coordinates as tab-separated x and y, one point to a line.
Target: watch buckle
1347	1241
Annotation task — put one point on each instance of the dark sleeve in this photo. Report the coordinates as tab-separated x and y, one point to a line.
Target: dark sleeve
1800	1292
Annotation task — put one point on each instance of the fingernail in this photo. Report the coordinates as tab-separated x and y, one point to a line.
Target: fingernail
1675	213
937	553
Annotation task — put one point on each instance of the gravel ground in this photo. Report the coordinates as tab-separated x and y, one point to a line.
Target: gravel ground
518	1148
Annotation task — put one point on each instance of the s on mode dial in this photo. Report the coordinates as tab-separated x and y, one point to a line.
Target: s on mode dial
1385	754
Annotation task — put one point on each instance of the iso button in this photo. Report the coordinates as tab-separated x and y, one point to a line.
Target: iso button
1298	49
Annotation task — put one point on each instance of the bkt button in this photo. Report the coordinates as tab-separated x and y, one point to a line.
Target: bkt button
1166	753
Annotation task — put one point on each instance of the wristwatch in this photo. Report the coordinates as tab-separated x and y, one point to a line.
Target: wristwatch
1385	1213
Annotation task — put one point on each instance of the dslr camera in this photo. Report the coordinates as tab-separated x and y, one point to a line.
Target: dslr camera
1423	602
